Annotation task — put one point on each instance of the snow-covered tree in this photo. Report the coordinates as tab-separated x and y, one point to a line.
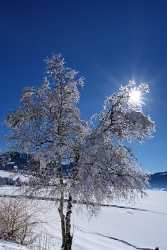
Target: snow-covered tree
83	161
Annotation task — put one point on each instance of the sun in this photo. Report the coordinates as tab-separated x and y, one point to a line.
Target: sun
135	97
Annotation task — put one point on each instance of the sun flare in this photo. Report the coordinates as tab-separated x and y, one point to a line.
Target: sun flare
135	97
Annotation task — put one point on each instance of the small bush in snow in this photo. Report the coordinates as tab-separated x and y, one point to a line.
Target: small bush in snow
44	242
16	221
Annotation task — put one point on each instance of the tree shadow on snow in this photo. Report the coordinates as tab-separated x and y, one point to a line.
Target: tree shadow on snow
116	239
137	209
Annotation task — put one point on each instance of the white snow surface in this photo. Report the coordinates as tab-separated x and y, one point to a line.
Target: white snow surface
13	175
137	225
7	174
4	245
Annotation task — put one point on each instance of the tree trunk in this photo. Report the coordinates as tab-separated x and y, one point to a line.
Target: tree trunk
65	221
62	216
69	237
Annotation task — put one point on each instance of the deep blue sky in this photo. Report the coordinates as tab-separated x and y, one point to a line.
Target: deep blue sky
109	42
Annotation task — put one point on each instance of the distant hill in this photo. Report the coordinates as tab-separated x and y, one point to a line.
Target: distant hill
159	180
13	161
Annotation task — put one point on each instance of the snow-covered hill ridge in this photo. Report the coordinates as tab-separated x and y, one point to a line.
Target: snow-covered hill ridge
11	178
159	180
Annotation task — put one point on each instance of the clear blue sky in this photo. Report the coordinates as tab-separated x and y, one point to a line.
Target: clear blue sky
109	42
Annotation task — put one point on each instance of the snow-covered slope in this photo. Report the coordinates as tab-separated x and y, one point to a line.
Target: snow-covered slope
13	175
4	245
121	226
6	174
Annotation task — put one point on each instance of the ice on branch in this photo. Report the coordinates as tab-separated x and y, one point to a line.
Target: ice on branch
123	116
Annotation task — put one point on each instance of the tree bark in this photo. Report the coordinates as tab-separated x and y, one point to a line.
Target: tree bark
69	237
62	216
65	220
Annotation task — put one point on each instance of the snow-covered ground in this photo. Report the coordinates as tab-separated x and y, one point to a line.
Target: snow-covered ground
7	174
140	225
123	226
4	245
13	175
